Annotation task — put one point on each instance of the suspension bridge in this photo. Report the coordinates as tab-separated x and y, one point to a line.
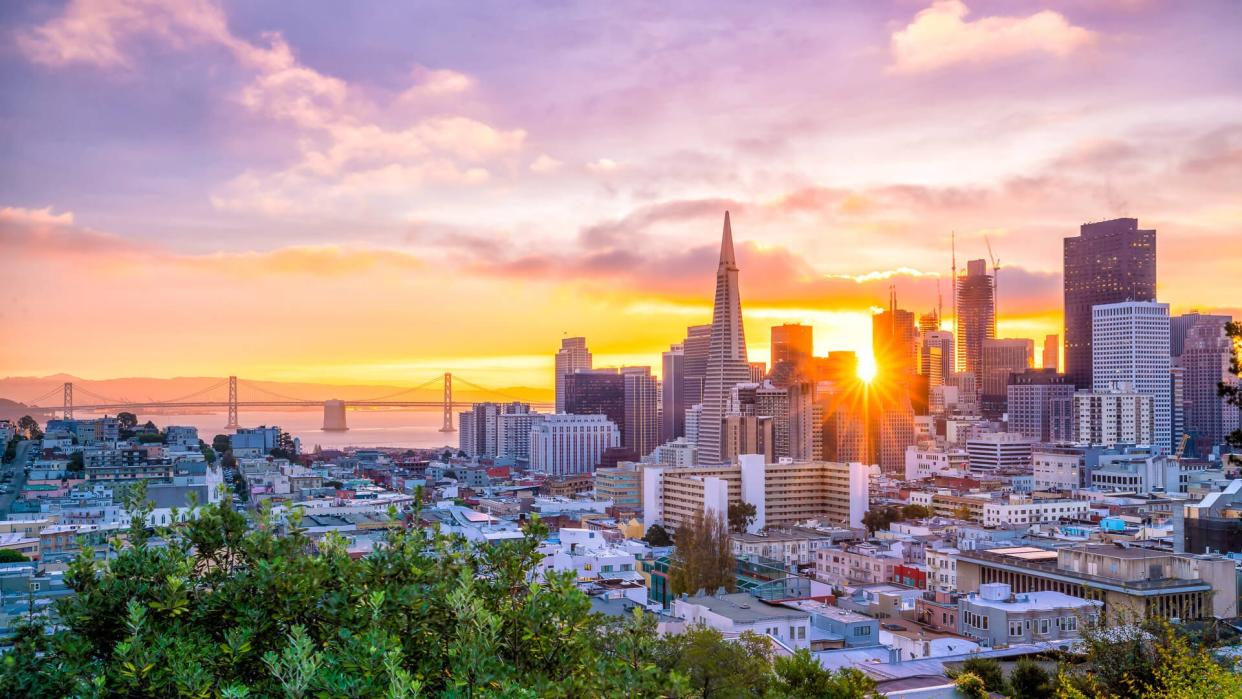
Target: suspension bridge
334	410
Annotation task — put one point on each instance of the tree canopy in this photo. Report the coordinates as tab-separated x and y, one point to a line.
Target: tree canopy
702	557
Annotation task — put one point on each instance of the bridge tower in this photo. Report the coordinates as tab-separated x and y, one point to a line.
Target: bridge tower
68	410
232	423
448	403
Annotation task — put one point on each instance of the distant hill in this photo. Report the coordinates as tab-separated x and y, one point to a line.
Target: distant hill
25	389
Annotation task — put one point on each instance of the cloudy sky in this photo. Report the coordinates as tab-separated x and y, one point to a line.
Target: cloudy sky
381	191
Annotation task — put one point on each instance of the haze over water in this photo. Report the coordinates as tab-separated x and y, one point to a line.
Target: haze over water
409	429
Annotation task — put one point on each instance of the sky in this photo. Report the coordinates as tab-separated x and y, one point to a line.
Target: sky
378	192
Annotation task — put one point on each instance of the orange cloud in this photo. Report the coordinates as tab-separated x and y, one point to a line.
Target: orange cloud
940	36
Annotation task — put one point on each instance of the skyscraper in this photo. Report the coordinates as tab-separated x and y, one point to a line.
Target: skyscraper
1109	262
673	394
1002	357
976	316
792	345
641	427
936	357
596	392
1205	362
726	363
697	347
894	343
1052	352
572	357
1130	346
1031	397
1179	326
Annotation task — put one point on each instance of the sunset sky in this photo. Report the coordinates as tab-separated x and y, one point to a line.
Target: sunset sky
378	192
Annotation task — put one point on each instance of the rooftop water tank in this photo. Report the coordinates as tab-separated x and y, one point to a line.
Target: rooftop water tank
996	592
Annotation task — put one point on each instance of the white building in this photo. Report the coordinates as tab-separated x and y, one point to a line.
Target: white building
1018	510
1130	344
926	460
1057	469
260	439
182	436
513	433
996	450
694	416
740	612
566	444
1116	415
942	569
679	452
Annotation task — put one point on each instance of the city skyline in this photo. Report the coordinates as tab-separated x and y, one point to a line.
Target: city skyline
224	155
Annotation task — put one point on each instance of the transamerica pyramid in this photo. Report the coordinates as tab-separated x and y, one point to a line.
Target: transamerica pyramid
726	362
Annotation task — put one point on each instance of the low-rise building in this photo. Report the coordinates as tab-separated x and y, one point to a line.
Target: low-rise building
738	612
997	617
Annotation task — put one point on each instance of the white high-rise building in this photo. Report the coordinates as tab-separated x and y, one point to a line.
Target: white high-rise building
1119	415
726	361
1130	344
563	445
694	418
571	358
513	432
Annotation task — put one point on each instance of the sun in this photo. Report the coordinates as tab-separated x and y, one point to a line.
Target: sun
866	367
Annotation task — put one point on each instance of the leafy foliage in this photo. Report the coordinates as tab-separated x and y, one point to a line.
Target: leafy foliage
1232	391
225	609
1030	681
11	556
703	557
987	670
741	514
657	536
799	676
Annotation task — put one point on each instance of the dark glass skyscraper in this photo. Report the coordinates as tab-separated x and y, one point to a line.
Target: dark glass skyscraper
1109	262
597	392
976	316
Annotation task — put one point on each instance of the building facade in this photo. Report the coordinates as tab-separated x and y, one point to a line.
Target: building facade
566	444
572	357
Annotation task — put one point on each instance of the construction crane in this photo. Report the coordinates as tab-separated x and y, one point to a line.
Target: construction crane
1181	446
995	280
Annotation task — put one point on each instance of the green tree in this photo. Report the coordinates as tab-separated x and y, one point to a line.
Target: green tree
916	512
876	519
77	462
1030	681
971	686
657	536
221	608
221	443
741	514
717	668
1232	391
11	556
29	427
800	676
702	557
126	421
987	670
208	453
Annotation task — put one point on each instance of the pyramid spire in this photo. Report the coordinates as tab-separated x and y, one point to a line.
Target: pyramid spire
726	245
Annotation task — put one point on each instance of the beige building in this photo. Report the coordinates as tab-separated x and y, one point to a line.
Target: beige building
1134	581
783	494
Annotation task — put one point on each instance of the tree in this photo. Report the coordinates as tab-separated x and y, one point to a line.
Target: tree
963	512
11	556
970	685
987	670
741	514
221	443
876	519
216	608
916	512
657	536
1030	681
126	421
800	676
208	453
77	462
29	427
717	668
702	557
1232	391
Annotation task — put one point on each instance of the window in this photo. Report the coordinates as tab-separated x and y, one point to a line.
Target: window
1015	628
1043	626
1071	623
801	633
862	630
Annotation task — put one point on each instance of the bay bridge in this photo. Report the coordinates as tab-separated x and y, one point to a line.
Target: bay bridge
213	396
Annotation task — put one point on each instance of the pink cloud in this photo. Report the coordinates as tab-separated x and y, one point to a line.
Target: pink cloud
940	36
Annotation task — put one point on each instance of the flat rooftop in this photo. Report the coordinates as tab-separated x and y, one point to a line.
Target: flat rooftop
744	608
1034	601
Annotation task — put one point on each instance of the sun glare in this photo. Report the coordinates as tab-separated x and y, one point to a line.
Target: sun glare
866	367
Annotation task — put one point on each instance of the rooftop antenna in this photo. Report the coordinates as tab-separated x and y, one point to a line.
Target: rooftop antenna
995	283
939	304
